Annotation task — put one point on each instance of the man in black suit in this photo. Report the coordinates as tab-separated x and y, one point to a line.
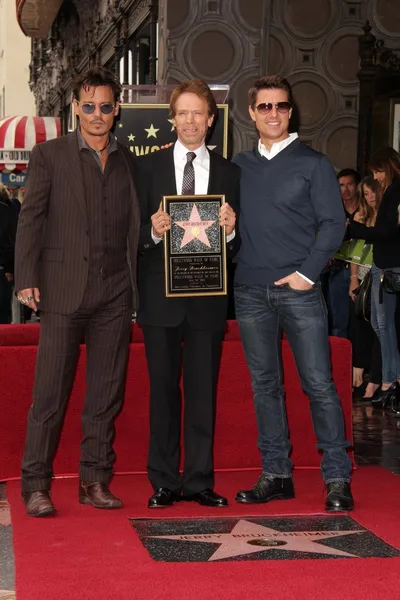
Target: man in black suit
199	322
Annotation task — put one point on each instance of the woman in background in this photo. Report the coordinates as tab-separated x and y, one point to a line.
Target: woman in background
365	342
385	237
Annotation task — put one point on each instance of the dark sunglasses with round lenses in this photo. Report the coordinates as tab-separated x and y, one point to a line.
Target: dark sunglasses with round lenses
265	107
106	108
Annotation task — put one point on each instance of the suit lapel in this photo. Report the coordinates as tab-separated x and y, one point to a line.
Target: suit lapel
214	179
74	172
168	181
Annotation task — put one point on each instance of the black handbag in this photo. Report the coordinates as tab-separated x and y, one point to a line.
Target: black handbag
362	300
391	281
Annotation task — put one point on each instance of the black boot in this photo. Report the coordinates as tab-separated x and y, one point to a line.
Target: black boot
266	489
339	497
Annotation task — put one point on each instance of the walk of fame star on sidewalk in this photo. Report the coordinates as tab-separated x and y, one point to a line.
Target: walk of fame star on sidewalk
239	541
195	228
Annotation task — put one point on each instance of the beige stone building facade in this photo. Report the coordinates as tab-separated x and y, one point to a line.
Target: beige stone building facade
16	97
314	43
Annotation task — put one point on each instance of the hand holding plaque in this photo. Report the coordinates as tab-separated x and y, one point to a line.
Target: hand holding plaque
195	245
227	218
160	222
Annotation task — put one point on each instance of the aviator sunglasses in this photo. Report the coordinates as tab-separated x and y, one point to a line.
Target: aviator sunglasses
106	108
265	107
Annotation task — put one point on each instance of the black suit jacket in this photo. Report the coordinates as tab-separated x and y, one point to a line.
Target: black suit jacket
156	178
7	236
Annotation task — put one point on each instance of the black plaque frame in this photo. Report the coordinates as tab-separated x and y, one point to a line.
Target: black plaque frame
203	271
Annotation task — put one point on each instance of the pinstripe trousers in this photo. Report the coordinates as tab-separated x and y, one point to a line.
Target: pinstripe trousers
104	322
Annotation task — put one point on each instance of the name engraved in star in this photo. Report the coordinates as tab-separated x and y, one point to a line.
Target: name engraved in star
266	538
238	542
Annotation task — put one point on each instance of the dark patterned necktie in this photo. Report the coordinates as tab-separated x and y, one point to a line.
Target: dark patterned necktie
188	175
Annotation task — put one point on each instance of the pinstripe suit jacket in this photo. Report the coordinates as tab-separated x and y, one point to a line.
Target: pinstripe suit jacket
52	244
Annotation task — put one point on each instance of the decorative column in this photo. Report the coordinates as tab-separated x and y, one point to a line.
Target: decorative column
153	41
366	75
125	48
117	48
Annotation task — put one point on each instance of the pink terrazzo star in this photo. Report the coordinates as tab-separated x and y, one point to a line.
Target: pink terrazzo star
195	228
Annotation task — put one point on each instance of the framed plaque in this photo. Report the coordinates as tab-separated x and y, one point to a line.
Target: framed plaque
195	247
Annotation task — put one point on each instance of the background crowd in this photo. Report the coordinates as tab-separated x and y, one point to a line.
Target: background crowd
362	305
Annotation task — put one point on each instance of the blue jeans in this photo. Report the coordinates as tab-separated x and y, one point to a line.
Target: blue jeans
383	322
262	313
338	298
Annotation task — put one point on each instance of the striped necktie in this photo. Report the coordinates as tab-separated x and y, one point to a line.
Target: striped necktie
188	175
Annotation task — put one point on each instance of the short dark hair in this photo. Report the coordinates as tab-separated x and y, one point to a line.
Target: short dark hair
95	78
349	173
193	86
270	82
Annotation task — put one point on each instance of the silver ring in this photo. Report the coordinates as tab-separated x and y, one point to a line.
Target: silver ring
29	298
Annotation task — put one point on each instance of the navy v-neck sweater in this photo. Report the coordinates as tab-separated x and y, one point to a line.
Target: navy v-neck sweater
291	215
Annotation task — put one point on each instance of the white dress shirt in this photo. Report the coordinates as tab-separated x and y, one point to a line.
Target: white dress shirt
276	146
201	165
268	154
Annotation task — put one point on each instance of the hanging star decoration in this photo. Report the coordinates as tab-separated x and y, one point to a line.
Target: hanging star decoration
131	137
152	131
248	538
172	124
120	125
195	228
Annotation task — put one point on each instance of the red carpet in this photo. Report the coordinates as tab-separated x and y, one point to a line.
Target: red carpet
85	553
236	434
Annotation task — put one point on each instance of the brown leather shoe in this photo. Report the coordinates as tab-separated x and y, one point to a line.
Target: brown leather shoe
98	495
38	504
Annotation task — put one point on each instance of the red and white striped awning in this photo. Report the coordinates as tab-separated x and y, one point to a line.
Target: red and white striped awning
18	135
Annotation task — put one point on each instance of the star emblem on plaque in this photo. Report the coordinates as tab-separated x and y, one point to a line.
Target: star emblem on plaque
194	227
253	538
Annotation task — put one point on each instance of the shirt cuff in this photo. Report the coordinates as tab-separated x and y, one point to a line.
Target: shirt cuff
155	239
306	278
230	237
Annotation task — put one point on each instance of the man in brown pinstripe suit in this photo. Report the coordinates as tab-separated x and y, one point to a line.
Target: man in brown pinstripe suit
76	260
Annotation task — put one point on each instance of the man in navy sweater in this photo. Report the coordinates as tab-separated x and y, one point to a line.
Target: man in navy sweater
291	223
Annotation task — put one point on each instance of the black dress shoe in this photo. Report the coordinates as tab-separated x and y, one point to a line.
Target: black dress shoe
386	398
208	498
339	497
162	498
266	489
38	504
